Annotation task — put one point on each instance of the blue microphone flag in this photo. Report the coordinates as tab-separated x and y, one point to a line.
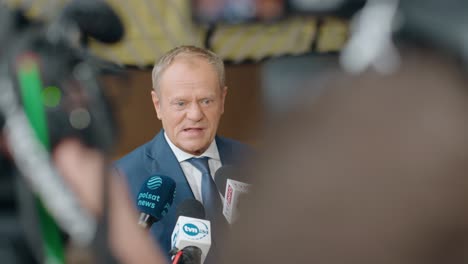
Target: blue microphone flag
156	196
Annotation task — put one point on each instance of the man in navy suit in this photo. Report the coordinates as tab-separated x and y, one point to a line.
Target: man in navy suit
188	95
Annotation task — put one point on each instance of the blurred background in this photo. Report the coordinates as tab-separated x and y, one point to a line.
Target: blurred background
267	55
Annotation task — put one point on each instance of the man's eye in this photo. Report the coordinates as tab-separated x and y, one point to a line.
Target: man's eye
206	101
180	103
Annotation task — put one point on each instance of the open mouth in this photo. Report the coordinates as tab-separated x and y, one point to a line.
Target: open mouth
193	129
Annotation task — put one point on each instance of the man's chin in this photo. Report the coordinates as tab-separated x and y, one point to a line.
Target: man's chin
196	150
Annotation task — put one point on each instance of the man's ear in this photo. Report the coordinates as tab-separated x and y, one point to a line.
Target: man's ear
156	104
223	98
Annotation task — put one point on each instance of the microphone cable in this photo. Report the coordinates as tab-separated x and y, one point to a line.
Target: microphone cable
177	257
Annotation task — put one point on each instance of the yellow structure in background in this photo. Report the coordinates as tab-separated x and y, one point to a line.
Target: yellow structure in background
155	26
332	35
258	41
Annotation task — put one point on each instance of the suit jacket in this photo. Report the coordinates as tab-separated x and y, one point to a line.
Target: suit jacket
156	157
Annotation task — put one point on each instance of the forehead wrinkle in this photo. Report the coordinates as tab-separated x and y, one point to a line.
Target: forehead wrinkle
189	83
196	96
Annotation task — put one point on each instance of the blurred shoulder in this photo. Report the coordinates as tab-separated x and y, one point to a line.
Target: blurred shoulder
235	145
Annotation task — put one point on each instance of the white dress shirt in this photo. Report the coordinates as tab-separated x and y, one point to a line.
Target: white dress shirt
192	174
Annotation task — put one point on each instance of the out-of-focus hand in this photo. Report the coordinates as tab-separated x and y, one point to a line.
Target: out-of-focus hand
84	169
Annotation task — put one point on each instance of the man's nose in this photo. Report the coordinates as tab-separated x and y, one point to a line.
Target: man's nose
194	112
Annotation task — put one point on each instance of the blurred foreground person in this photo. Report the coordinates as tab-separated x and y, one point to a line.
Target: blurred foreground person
82	168
374	171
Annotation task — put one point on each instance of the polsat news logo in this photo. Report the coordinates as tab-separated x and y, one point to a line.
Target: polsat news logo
229	195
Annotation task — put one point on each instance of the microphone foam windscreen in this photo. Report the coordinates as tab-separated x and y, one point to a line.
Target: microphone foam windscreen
191	208
224	173
156	196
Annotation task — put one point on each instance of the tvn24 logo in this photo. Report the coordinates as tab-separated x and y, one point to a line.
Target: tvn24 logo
195	230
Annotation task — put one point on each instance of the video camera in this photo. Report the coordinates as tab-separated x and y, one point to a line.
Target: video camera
49	91
51	56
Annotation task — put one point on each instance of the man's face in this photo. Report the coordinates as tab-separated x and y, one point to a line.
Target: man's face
190	103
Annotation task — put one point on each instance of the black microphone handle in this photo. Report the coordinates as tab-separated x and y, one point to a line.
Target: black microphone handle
191	255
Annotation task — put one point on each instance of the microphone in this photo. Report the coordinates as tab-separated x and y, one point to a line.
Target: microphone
154	199
95	19
228	180
224	173
192	234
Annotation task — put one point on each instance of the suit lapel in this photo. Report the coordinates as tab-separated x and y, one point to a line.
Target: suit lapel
162	160
225	151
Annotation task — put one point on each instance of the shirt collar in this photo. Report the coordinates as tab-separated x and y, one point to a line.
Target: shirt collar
211	152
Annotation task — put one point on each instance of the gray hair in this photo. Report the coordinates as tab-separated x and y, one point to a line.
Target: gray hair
166	60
